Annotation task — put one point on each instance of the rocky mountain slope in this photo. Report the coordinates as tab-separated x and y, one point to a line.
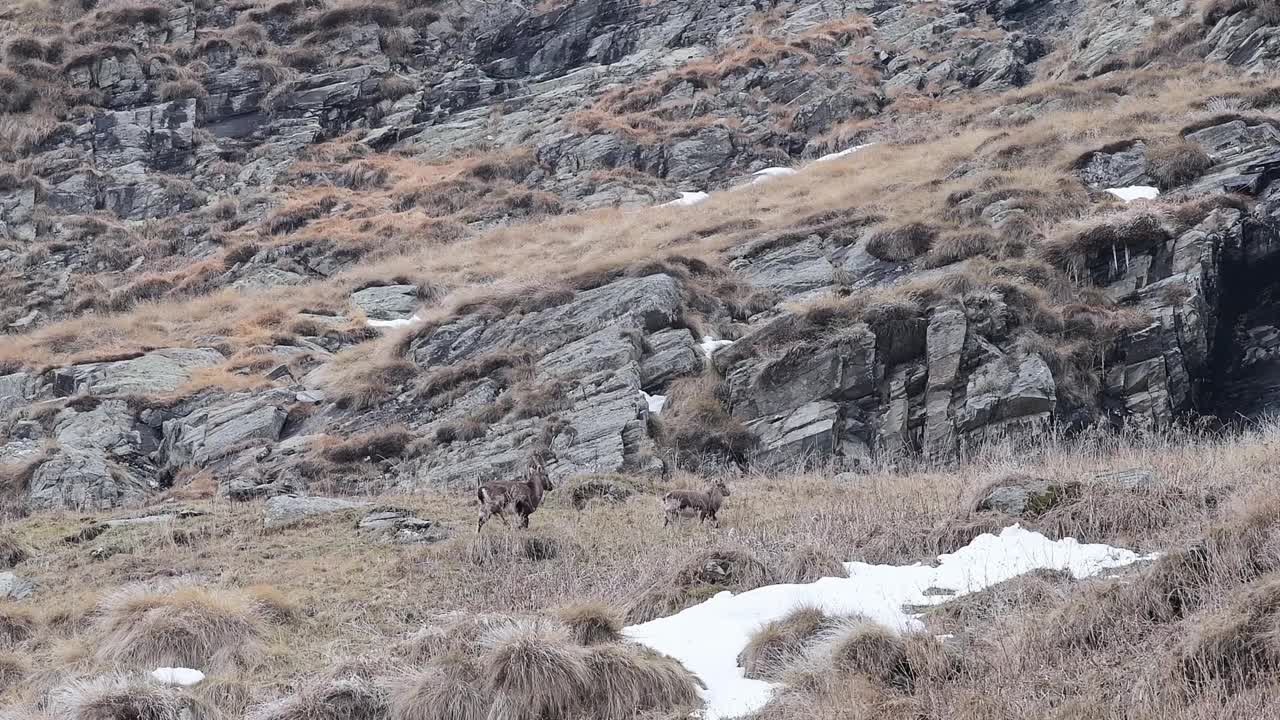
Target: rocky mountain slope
366	246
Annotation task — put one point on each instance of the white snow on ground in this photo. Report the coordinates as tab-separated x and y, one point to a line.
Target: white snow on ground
759	176
185	677
707	638
688	198
770	173
1135	192
709	345
401	322
655	402
843	153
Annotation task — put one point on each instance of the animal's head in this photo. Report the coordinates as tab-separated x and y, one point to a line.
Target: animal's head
538	468
720	486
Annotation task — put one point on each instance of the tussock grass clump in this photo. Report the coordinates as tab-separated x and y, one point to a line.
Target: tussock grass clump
808	563
701	577
1237	646
902	242
452	689
630	679
13	669
377	445
506	366
1175	163
12	550
1038	588
956	245
781	642
335	696
699	429
352	12
16	93
536	667
592	622
292	217
17	623
860	646
179	626
273	605
1074	247
492	549
1105	513
494	666
1215	10
117	697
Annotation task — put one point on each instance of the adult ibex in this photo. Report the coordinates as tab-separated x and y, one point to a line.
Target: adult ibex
519	496
704	504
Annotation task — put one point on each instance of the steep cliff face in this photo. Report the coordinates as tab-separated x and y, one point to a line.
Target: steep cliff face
214	216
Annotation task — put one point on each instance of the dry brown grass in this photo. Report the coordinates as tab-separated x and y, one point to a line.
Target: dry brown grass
700	577
808	563
1176	163
698	429
373	446
898	183
779	643
364	597
12	550
900	243
115	697
17	624
1214	10
181	626
592	623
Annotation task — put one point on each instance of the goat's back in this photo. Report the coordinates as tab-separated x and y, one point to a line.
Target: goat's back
683	500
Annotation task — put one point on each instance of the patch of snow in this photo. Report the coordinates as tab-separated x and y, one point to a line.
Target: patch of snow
843	153
709	345
1135	192
770	173
655	402
185	677
707	638
687	198
399	322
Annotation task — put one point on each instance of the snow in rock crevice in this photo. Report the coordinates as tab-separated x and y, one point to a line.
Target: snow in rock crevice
655	402
709	345
843	153
770	173
707	638
1135	192
399	322
764	175
687	198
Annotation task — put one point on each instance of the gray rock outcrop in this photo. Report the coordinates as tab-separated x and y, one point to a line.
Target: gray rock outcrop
289	510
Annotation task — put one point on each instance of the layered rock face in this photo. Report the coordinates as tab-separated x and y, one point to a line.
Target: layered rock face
617	104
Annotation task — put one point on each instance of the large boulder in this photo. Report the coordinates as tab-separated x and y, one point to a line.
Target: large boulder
15	391
288	510
158	371
387	302
83	479
1024	495
215	432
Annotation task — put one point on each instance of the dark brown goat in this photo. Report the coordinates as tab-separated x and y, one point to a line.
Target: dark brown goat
521	497
704	504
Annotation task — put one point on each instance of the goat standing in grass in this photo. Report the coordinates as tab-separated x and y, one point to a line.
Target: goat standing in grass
519	496
704	504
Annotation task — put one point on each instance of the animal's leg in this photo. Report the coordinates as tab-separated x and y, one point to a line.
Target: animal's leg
484	515
666	518
502	515
524	522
